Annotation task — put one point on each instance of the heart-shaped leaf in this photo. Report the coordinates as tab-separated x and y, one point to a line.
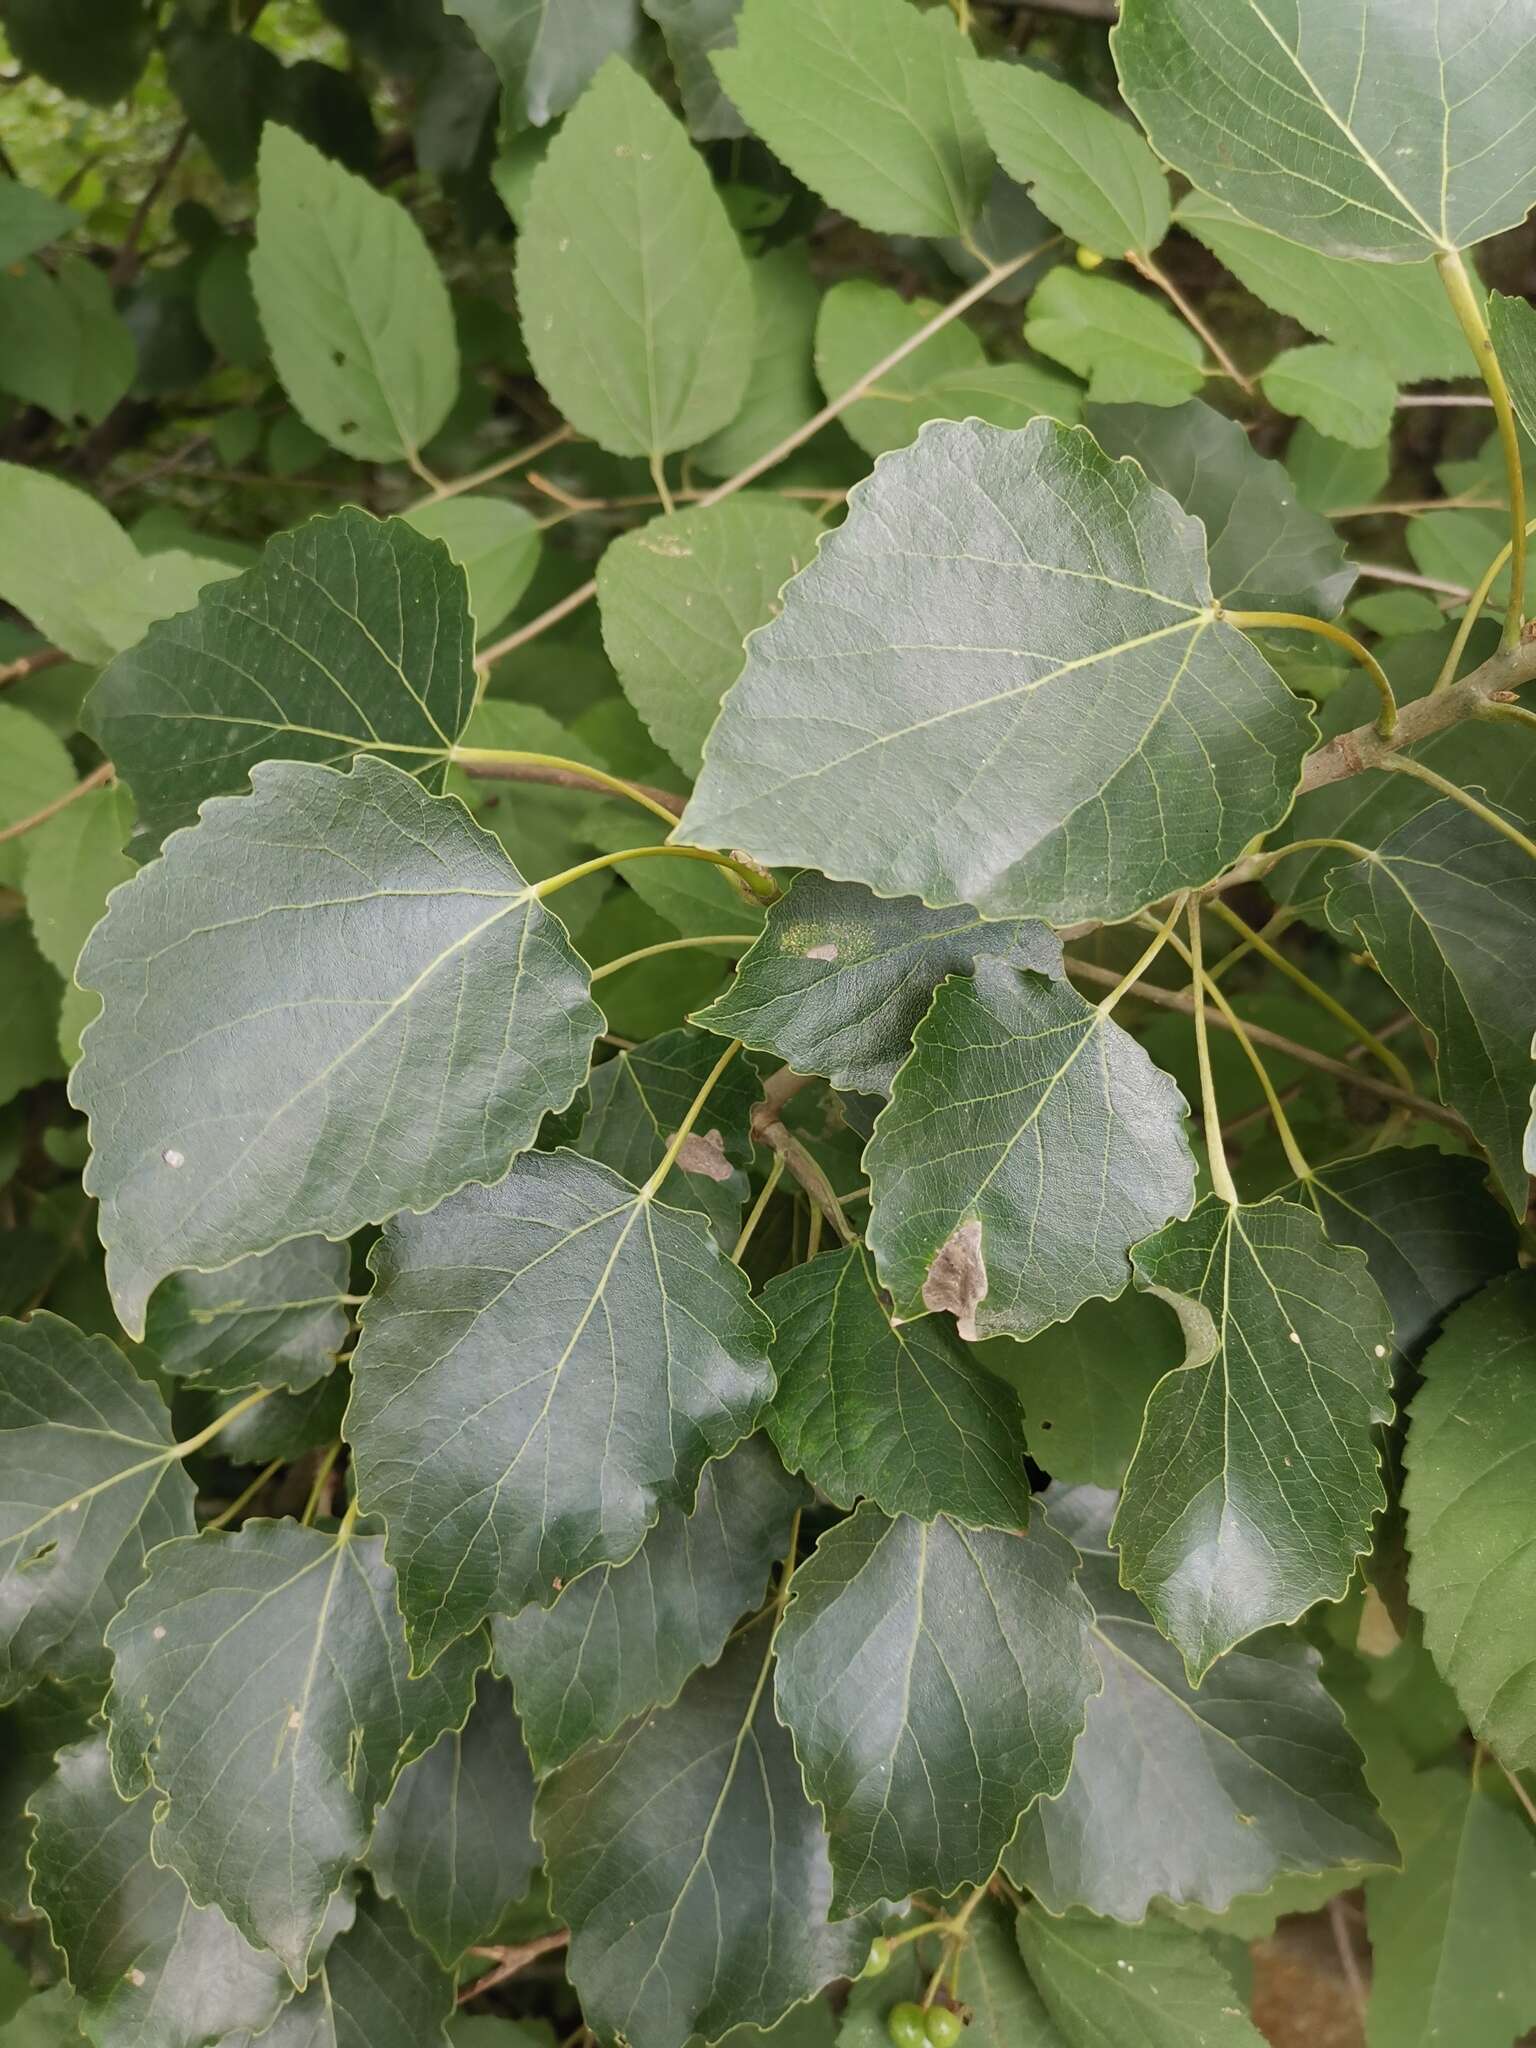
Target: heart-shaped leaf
1009	643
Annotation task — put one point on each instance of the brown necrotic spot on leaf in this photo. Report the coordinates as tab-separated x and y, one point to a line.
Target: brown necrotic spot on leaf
957	1278
704	1152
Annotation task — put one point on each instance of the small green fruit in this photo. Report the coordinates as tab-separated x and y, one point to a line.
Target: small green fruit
905	2025
944	2027
1088	259
880	1953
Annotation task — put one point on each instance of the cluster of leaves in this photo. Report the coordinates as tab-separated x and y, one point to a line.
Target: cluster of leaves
629	1395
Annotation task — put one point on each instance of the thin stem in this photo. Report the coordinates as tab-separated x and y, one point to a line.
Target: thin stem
1335	1009
1182	1001
317	1491
659	479
830	411
775	1175
1467	306
813	1232
515	1959
1139	967
1404	764
596	866
1145	267
1293	1152
1464	502
769	1128
956	1935
499	764
470	758
242	1501
1280	921
1474	611
695	1109
505	467
1449	398
1519	1791
1302	622
671	946
221	1422
1514	714
1221	1175
1382	572
97	779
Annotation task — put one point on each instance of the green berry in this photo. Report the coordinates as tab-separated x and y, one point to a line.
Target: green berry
944	2027
880	1953
1089	259
905	2025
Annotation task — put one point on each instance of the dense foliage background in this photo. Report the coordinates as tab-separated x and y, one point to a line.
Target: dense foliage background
695	1442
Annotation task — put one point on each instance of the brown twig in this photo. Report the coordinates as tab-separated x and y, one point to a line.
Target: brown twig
97	778
509	644
1180	1000
125	264
30	665
512	1960
769	1128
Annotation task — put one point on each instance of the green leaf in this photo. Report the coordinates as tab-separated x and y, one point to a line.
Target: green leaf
933	1680
1087	170
1396	313
1451	1933
1098	681
227	313
1443	904
899	1413
841	978
547	52
1268	552
638	1099
1297	117
1132	350
1346	396
1006	2010
49	2019
639	1356
56	544
680	595
62	344
333	999
71	864
1329	476
1191	1794
622	214
1029	1143
706	1908
355	311
1431	1232
228	84
454	1842
865	101
1085	1384
91	49
377	1987
495	542
350	634
29	221
35	768
694	29
781	392
1512	324
126	604
284	1425
947	378
152	1969
1471	1460
1154	1986
92	1484
624	1638
273	1320
1252	1490
268	1797
29	1011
